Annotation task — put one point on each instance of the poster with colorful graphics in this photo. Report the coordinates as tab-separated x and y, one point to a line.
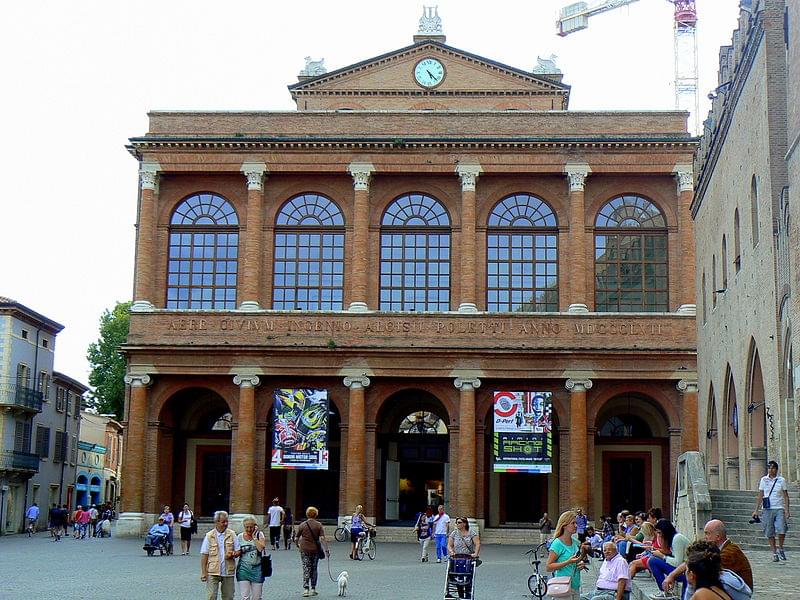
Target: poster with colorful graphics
300	429
523	432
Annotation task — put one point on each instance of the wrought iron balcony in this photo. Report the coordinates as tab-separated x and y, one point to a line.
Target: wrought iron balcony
22	397
11	460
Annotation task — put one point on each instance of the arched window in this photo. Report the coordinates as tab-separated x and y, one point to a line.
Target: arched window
203	253
522	256
309	255
423	421
704	298
714	287
630	257
754	208
415	255
724	264
737	249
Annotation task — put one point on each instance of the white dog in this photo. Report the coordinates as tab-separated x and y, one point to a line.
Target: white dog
342	581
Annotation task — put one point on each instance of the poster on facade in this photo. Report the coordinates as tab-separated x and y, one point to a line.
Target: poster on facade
300	429
523	432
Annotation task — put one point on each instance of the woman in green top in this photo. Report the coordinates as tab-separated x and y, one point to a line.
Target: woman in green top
248	572
565	558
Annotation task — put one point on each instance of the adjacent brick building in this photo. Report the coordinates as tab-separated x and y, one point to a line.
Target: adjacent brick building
741	213
412	238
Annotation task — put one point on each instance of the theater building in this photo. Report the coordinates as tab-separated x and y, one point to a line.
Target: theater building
428	227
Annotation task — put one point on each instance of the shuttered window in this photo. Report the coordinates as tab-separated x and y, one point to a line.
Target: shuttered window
43	441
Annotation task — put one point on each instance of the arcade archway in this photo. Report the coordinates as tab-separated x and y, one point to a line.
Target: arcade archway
413	440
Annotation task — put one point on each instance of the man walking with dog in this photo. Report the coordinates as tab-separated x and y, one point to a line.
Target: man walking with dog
773	498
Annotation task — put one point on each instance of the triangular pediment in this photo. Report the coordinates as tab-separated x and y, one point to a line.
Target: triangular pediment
465	75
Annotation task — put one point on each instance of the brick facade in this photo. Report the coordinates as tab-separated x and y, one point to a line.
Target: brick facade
743	316
380	366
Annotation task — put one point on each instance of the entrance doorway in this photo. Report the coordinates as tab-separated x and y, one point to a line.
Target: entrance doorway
523	497
215	487
628	482
414	445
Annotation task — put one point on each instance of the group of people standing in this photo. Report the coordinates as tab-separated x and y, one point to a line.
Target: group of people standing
448	543
225	556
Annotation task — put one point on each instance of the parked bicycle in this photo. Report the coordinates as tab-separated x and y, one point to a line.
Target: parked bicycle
366	544
343	533
537	582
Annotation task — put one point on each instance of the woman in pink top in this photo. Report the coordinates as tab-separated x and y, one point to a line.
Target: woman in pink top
83	519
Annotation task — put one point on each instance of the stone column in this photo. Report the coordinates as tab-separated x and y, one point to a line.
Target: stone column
253	257
689	427
578	458
577	173
686	296
244	449
469	175
144	279
132	520
359	274
356	435
466	445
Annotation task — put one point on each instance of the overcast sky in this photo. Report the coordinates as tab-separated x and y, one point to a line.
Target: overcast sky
81	76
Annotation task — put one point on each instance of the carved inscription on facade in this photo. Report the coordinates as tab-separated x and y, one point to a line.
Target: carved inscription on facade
511	328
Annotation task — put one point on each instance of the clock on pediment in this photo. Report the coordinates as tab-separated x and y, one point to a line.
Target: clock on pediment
429	72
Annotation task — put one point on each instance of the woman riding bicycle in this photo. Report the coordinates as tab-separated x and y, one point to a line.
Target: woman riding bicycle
356	528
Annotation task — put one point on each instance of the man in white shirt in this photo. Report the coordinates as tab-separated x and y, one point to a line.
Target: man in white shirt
276	514
774	499
217	558
613	581
441	529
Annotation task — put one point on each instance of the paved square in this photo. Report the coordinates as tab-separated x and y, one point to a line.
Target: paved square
118	569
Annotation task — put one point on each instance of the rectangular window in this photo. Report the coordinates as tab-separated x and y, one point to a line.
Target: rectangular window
308	271
60	447
22	436
74	453
631	273
45	343
44	385
415	271
522	272
42	441
23	375
60	399
24	334
202	270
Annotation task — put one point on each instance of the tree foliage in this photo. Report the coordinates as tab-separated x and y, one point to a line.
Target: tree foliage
108	365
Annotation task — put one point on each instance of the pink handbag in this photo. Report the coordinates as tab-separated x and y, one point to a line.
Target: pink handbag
559	587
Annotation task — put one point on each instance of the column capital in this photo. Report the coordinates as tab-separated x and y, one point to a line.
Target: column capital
469	175
148	174
246	381
577	174
684	174
466	384
578	385
361	172
254	171
687	386
355	382
138	380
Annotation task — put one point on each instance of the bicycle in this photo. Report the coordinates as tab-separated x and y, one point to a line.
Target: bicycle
343	533
366	544
537	583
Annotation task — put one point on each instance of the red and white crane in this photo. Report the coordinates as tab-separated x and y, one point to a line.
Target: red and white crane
575	17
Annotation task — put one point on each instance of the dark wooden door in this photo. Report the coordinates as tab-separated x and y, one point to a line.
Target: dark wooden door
215	491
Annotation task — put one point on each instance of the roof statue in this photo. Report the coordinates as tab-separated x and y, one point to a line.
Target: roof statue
430	23
546	66
313	67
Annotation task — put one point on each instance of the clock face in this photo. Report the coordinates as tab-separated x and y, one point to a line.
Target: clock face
429	72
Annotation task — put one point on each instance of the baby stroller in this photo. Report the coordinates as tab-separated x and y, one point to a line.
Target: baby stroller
156	543
459	581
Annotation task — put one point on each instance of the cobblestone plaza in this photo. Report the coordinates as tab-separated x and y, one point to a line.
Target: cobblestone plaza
118	569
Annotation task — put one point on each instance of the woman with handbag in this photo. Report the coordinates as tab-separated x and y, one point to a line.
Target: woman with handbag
248	570
310	539
185	518
565	559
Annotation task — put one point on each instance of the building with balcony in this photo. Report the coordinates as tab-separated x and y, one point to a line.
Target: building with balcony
97	478
430	228
28	412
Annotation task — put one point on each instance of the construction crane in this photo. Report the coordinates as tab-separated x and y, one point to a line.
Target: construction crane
575	17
